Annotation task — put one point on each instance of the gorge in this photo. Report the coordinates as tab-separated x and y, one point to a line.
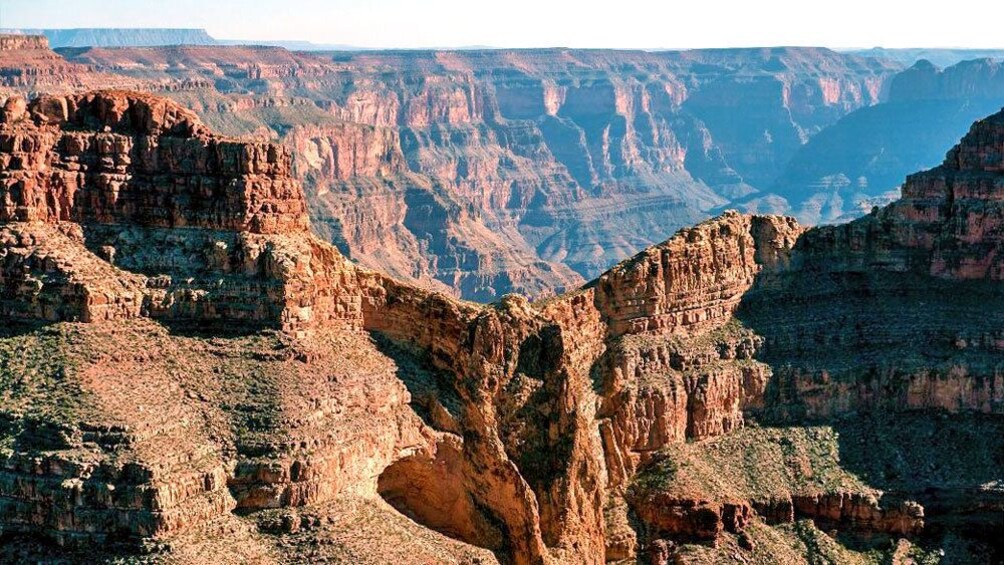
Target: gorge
529	307
190	366
480	173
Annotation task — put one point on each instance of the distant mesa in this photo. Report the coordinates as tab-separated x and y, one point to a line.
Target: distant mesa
120	37
60	38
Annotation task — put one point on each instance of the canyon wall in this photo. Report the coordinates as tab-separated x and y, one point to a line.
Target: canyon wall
938	238
28	66
504	399
124	170
528	171
183	351
486	172
860	161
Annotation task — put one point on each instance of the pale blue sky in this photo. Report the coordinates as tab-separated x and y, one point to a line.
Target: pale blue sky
541	23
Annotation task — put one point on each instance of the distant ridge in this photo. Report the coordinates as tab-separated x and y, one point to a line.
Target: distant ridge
295	45
159	37
942	57
120	37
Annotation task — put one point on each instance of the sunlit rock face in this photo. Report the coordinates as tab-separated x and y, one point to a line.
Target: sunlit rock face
532	171
188	368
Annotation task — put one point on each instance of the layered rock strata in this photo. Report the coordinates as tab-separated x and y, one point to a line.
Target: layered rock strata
103	224
120	206
143	184
182	350
27	64
526	171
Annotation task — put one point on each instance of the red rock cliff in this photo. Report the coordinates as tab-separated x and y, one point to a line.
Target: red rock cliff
121	158
527	171
515	428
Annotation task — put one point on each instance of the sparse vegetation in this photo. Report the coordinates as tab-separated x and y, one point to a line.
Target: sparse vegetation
753	464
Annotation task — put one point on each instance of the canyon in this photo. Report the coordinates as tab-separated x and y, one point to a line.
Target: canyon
480	173
863	158
489	172
190	373
498	306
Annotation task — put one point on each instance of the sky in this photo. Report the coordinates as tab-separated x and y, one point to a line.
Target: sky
646	24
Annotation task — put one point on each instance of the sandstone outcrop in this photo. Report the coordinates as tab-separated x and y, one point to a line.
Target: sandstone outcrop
939	238
701	492
530	471
121	206
130	168
141	160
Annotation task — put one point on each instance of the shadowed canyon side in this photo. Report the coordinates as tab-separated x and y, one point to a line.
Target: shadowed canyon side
861	160
870	330
190	373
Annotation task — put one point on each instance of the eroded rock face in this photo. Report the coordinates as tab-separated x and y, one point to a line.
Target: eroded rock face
528	457
514	171
141	160
529	433
46	277
130	168
695	280
28	64
937	246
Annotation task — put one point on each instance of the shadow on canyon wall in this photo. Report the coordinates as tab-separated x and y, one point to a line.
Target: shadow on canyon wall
907	370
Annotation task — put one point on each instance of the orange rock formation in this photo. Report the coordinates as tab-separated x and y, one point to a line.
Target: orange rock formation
212	357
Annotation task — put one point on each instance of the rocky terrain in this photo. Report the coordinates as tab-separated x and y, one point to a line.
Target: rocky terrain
28	65
498	171
861	160
479	173
189	373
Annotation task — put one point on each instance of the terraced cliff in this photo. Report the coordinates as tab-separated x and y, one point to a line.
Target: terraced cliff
189	373
484	172
28	65
487	172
